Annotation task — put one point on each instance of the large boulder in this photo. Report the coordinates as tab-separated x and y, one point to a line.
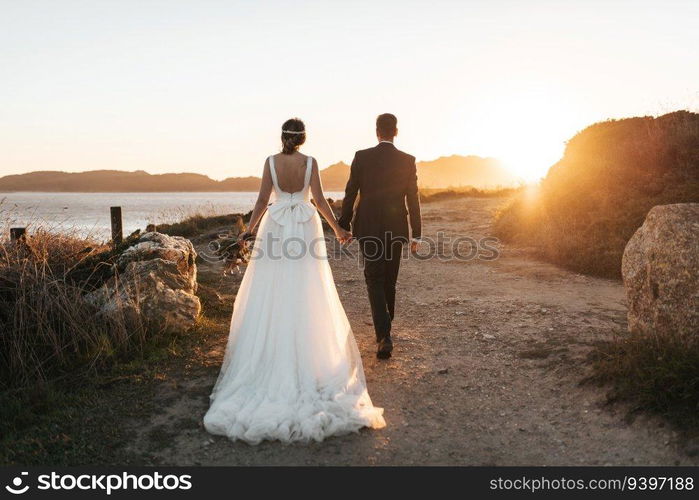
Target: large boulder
154	284
660	269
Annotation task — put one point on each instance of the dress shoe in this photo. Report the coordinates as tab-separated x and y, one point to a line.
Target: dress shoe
385	348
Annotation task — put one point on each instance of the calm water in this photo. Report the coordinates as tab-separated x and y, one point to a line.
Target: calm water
88	213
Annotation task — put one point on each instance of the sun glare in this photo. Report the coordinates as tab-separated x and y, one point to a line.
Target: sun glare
534	139
527	128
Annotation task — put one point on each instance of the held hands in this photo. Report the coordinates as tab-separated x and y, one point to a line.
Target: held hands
246	236
342	235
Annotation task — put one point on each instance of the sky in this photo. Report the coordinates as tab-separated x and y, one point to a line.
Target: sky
204	86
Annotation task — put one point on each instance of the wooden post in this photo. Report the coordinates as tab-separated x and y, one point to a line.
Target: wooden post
18	234
117	231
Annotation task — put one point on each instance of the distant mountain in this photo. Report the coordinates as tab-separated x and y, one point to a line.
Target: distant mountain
334	178
99	181
452	171
239	184
444	172
456	171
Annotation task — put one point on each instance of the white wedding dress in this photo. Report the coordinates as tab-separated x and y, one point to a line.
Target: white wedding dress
292	371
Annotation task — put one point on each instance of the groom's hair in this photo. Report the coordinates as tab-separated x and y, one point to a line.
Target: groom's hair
387	125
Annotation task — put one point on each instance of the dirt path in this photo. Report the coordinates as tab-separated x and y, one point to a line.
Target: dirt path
486	371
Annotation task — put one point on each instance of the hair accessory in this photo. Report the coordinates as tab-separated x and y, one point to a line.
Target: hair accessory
293	131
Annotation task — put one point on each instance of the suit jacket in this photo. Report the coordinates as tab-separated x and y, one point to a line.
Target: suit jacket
386	180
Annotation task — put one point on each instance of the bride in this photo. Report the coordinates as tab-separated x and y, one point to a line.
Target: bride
292	371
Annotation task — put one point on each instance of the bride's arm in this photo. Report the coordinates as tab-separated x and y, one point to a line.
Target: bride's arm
262	198
323	206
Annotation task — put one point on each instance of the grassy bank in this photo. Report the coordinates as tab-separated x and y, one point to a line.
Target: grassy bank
87	419
434	195
593	200
199	223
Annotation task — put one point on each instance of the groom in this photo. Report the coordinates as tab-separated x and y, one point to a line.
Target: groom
386	180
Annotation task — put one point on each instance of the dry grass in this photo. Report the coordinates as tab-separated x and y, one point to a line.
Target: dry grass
657	373
197	224
48	328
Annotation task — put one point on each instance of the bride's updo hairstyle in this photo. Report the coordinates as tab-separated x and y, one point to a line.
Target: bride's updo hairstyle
293	135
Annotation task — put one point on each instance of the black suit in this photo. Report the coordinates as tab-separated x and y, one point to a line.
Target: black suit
386	180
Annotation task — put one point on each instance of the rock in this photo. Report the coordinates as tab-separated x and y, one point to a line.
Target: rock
154	284
443	371
175	249
660	268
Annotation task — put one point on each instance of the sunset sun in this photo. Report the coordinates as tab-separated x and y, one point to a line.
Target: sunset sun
526	128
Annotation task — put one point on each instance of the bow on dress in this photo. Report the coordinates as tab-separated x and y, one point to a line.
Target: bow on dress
291	211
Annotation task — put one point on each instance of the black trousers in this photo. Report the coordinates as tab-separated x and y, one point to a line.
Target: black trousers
381	264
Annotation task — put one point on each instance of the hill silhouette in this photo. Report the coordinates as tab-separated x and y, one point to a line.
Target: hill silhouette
105	181
452	171
444	172
335	177
457	171
611	174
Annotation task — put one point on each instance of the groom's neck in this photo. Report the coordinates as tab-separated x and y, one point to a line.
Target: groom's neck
384	139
